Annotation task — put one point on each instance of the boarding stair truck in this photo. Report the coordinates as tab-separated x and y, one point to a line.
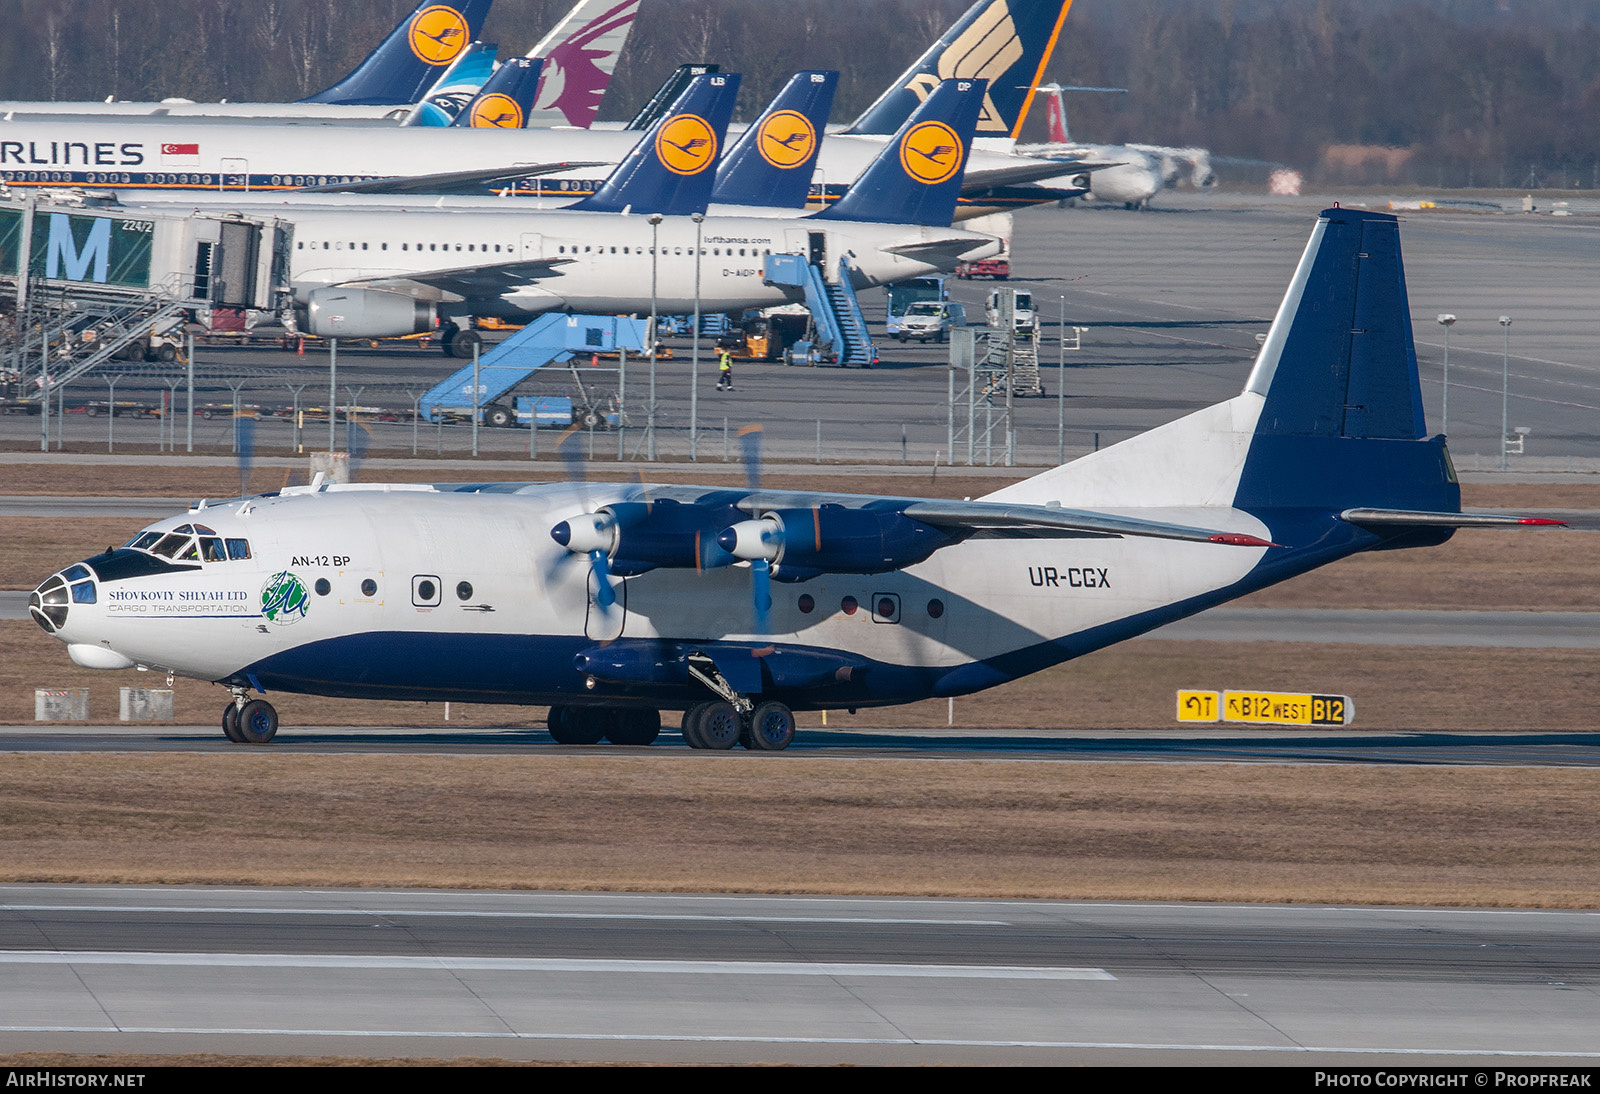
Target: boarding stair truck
129	277
552	339
838	334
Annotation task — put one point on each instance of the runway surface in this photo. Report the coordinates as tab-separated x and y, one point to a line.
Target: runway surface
608	976
1208	744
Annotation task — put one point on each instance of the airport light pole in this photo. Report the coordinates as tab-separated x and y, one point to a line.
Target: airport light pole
650	425
1505	389
694	366
1446	321
333	392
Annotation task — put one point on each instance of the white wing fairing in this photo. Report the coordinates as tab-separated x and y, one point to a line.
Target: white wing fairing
611	603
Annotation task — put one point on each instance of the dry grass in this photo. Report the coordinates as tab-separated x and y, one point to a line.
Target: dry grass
706	822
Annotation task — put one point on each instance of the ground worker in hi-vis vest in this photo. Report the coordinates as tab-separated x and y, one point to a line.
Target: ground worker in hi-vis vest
724	369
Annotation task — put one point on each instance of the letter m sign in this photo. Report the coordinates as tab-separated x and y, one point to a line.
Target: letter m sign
63	252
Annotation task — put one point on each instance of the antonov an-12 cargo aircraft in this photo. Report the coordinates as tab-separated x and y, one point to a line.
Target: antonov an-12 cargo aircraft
613	603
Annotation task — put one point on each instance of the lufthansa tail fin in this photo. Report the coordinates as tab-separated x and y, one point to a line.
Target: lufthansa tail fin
411	60
916	179
506	99
579	55
772	161
673	167
669	90
1006	42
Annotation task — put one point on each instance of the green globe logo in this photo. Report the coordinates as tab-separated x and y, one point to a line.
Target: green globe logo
284	599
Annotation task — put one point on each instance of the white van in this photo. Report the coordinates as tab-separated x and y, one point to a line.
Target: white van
1023	318
932	319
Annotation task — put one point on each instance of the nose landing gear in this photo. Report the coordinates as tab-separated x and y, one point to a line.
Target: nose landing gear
249	721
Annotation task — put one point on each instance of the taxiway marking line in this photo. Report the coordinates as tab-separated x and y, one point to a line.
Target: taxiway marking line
404	913
552	965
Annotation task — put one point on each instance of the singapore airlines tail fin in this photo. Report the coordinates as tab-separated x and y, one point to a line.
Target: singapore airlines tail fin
673	167
772	161
1006	42
579	56
411	60
916	179
506	99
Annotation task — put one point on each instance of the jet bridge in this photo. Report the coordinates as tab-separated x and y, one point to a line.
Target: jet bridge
92	279
550	339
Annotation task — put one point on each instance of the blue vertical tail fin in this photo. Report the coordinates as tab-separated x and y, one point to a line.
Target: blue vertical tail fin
673	167
462	82
411	60
772	161
667	94
506	98
1006	42
916	179
1339	360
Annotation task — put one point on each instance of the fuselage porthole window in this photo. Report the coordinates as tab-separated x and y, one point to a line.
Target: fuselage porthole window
369	587
464	591
322	587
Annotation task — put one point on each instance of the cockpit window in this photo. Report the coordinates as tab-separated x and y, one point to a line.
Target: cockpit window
169	545
184	528
190	553
204	531
212	550
238	548
145	541
83	593
76	573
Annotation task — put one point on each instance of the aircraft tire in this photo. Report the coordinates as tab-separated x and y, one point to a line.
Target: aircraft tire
230	723
461	345
771	728
634	726
691	725
576	725
719	726
258	722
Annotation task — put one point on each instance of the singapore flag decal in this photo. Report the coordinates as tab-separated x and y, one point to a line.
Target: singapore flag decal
180	155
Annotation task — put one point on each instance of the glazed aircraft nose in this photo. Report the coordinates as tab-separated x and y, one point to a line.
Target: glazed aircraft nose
48	604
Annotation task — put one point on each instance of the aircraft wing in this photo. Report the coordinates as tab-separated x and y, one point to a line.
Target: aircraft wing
966	517
466	282
446	182
931	248
1015	173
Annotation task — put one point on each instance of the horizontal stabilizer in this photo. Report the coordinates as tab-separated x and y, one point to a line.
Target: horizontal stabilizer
1417	519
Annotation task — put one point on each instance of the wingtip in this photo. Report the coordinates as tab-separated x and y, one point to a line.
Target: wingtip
1542	521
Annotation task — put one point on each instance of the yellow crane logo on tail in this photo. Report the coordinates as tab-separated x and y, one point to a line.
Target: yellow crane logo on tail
686	144
787	139
438	34
931	153
496	112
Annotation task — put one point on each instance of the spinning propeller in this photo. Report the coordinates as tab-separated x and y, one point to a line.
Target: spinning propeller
591	534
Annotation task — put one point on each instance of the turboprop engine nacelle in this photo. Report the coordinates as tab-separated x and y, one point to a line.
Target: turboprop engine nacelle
832	539
366	313
638	537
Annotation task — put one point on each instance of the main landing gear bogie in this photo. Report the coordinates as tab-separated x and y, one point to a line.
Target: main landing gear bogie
591	725
717	725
